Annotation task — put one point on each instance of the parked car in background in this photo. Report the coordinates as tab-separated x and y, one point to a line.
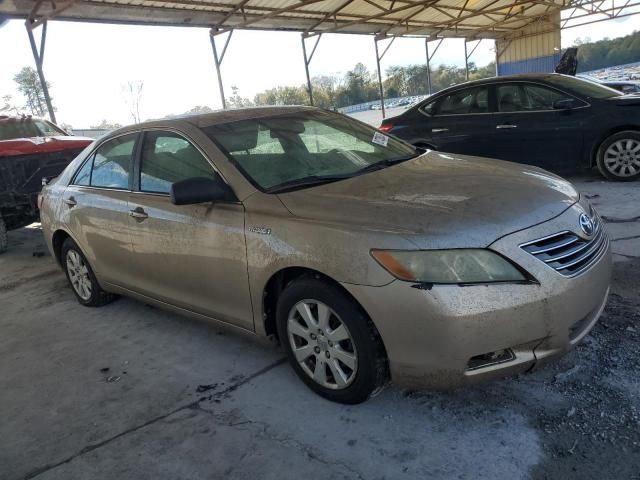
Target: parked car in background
557	122
30	149
624	86
363	256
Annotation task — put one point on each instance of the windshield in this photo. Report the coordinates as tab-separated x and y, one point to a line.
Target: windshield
583	87
283	150
28	128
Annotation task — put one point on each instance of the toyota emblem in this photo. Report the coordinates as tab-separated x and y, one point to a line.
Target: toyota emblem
586	224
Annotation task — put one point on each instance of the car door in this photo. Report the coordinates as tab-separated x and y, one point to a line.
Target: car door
526	128
190	256
96	209
457	123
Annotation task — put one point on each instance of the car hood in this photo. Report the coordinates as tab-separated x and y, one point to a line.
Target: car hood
22	146
439	200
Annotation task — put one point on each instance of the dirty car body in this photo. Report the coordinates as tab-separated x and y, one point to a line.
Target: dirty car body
459	268
30	149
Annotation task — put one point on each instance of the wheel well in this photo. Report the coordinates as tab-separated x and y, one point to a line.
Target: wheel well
277	284
58	239
613	131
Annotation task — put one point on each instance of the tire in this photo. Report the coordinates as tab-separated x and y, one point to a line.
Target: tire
618	157
81	277
4	242
353	359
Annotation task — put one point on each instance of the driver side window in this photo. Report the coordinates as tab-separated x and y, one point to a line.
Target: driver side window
168	158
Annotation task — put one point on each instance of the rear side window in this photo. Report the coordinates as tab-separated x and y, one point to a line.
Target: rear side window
109	166
461	102
168	158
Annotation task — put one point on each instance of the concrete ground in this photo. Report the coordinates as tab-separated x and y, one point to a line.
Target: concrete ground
129	391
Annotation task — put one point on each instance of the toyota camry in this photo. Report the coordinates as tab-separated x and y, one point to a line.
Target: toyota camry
367	259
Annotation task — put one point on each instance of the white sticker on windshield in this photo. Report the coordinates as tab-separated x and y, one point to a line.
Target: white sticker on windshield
380	139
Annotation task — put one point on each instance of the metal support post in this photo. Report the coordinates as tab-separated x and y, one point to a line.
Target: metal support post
467	56
378	58
38	56
218	60
429	57
307	61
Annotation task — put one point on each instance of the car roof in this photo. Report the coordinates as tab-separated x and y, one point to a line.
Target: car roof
540	77
227	116
14	119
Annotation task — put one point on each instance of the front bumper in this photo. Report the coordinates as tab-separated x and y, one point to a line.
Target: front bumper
432	334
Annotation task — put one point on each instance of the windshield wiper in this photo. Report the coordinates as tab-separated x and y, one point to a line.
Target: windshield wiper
386	163
306	182
322	179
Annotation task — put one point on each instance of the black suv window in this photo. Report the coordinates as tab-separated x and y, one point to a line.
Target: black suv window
108	167
469	100
168	158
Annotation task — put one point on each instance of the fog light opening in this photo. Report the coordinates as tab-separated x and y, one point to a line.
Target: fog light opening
491	358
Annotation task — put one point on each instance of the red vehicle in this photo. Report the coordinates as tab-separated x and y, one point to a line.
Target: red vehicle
30	149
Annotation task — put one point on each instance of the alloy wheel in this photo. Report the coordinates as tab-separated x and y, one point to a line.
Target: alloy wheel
622	158
79	275
322	344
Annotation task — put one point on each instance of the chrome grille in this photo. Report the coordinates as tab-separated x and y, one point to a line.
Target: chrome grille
568	253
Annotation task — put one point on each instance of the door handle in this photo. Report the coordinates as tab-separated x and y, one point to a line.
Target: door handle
138	214
506	125
71	202
438	130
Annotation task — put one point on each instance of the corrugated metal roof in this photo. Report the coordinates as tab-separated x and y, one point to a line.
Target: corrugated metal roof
443	18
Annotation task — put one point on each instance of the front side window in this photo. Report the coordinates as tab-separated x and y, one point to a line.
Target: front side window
111	163
542	98
510	98
168	158
469	100
279	151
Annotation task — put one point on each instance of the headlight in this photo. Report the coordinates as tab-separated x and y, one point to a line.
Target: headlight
448	266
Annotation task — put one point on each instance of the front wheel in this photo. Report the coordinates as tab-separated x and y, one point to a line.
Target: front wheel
81	277
618	157
330	342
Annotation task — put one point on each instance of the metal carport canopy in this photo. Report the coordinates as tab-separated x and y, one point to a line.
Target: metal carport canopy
442	18
432	20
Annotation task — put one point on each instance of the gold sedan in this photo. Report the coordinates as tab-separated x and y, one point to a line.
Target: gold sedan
366	258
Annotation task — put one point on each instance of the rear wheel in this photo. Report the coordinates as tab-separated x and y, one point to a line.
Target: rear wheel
81	277
618	157
331	344
3	236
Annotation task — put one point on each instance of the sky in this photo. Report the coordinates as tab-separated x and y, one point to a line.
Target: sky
89	64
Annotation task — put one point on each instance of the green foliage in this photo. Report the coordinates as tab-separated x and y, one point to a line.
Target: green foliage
360	85
608	52
29	86
106	125
7	106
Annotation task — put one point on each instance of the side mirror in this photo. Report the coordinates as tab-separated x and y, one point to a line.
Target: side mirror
201	190
565	104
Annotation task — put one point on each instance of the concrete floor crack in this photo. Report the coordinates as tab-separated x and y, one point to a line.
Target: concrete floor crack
95	446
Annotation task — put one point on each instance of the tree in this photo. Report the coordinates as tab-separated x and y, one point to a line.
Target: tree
29	86
7	105
237	101
199	109
105	125
133	96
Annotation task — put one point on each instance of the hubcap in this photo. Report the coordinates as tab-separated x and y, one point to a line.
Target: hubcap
328	355
622	158
78	275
